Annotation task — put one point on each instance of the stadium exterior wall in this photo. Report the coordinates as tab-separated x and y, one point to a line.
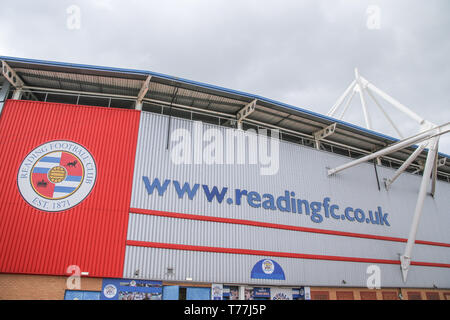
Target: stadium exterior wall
155	219
128	226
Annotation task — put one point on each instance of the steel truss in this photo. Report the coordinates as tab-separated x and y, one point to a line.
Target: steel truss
428	137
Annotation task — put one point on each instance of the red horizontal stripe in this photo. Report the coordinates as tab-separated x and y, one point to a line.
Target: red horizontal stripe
279	226
173	246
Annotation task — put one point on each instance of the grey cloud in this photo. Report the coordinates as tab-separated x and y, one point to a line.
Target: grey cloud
299	52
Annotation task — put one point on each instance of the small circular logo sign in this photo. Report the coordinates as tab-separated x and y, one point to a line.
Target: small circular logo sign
110	291
268	266
57	175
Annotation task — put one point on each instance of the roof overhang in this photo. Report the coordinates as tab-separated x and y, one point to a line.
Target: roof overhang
202	96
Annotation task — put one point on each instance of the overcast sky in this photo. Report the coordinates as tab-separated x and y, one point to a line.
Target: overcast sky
298	52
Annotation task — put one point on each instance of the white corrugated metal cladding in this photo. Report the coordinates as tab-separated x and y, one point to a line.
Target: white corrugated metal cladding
313	258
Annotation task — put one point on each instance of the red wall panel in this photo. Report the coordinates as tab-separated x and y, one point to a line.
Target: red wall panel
92	234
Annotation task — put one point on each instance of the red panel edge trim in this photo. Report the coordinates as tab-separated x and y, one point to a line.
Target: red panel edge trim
279	226
173	246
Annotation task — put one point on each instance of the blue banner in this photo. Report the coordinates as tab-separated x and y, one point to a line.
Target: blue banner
129	289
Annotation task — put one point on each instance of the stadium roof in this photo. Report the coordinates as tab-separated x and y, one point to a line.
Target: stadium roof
40	75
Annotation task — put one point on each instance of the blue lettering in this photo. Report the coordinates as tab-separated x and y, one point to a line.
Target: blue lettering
286	200
359	215
254	199
332	209
186	189
347	211
150	187
315	209
326	205
269	203
214	193
376	221
285	203
383	218
305	205
239	193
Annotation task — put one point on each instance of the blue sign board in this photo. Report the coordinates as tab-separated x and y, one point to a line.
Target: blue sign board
298	293
267	269
81	295
130	289
261	292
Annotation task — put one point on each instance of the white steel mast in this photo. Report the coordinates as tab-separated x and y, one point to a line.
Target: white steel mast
427	137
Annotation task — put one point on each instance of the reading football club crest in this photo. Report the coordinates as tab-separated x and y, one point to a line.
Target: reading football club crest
267	266
110	291
267	269
57	175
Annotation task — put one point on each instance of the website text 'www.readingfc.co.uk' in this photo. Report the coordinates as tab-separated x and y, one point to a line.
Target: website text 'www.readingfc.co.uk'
286	202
